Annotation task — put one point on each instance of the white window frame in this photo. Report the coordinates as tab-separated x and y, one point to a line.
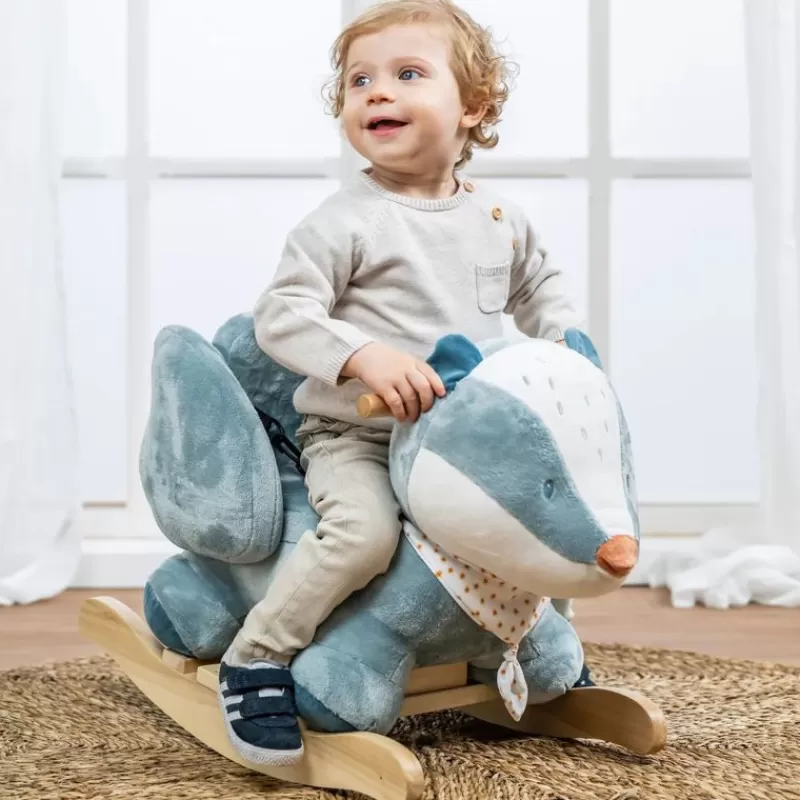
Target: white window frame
129	526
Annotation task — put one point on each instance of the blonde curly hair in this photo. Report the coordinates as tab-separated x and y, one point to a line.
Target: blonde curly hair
483	75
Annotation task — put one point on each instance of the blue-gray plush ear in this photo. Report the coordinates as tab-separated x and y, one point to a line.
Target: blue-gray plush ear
453	358
579	342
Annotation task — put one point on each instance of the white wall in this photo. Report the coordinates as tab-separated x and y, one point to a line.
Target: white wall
231	88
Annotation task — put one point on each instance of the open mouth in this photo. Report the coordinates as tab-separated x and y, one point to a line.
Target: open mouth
385	124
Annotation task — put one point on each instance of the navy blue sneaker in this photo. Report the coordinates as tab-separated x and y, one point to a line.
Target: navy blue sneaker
257	703
585	680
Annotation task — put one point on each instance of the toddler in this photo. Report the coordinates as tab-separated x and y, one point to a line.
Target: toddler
368	282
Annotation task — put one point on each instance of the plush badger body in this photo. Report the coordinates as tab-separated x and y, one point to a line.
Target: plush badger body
523	469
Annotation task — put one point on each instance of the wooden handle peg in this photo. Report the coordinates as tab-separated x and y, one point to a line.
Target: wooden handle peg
370	406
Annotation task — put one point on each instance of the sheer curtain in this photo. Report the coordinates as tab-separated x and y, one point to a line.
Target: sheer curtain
730	568
39	550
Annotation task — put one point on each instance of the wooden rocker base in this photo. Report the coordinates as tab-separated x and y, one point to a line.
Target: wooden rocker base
376	766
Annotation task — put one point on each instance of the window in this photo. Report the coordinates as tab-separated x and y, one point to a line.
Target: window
196	139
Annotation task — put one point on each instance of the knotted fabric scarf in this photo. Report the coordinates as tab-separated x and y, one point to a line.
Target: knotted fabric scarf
492	604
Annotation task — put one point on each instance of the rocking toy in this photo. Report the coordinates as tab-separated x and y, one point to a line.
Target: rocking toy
516	487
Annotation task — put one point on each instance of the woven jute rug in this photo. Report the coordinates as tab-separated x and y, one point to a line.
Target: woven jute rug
81	730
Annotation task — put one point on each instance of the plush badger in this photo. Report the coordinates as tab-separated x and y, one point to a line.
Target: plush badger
517	487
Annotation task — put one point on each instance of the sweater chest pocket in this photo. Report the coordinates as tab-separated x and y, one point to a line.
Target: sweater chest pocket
493	284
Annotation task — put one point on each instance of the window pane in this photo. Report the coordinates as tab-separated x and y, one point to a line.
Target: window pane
216	244
557	210
678	80
93	220
546	114
96	75
682	345
241	78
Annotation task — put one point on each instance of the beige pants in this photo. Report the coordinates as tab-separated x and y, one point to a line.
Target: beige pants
347	476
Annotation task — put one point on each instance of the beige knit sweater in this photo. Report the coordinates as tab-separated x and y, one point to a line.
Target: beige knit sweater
369	265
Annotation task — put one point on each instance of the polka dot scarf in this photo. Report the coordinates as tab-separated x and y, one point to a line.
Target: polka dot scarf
492	604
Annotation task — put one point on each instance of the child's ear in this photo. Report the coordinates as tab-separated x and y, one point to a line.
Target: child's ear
472	117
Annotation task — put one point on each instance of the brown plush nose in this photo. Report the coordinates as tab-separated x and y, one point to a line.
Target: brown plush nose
618	555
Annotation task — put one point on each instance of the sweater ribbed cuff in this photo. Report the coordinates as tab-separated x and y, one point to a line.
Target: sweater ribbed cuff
554	335
342	353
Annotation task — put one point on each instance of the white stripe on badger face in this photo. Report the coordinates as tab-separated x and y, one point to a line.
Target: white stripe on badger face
576	402
456	514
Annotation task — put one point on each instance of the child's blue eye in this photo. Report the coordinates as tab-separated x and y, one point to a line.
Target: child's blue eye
360	81
409	75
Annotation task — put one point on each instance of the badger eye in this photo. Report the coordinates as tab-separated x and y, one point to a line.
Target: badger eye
548	488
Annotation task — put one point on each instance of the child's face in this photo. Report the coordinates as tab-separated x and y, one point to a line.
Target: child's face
402	75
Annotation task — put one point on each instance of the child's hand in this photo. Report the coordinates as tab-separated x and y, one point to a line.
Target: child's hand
407	385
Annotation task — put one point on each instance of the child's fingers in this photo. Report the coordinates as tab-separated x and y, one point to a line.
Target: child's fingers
410	398
423	388
394	400
433	378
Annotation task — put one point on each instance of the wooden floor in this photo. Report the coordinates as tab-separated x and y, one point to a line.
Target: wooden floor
47	631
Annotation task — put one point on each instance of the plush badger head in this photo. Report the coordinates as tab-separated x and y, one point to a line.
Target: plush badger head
524	468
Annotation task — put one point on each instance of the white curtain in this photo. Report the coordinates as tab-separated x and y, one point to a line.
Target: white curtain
39	550
732	568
